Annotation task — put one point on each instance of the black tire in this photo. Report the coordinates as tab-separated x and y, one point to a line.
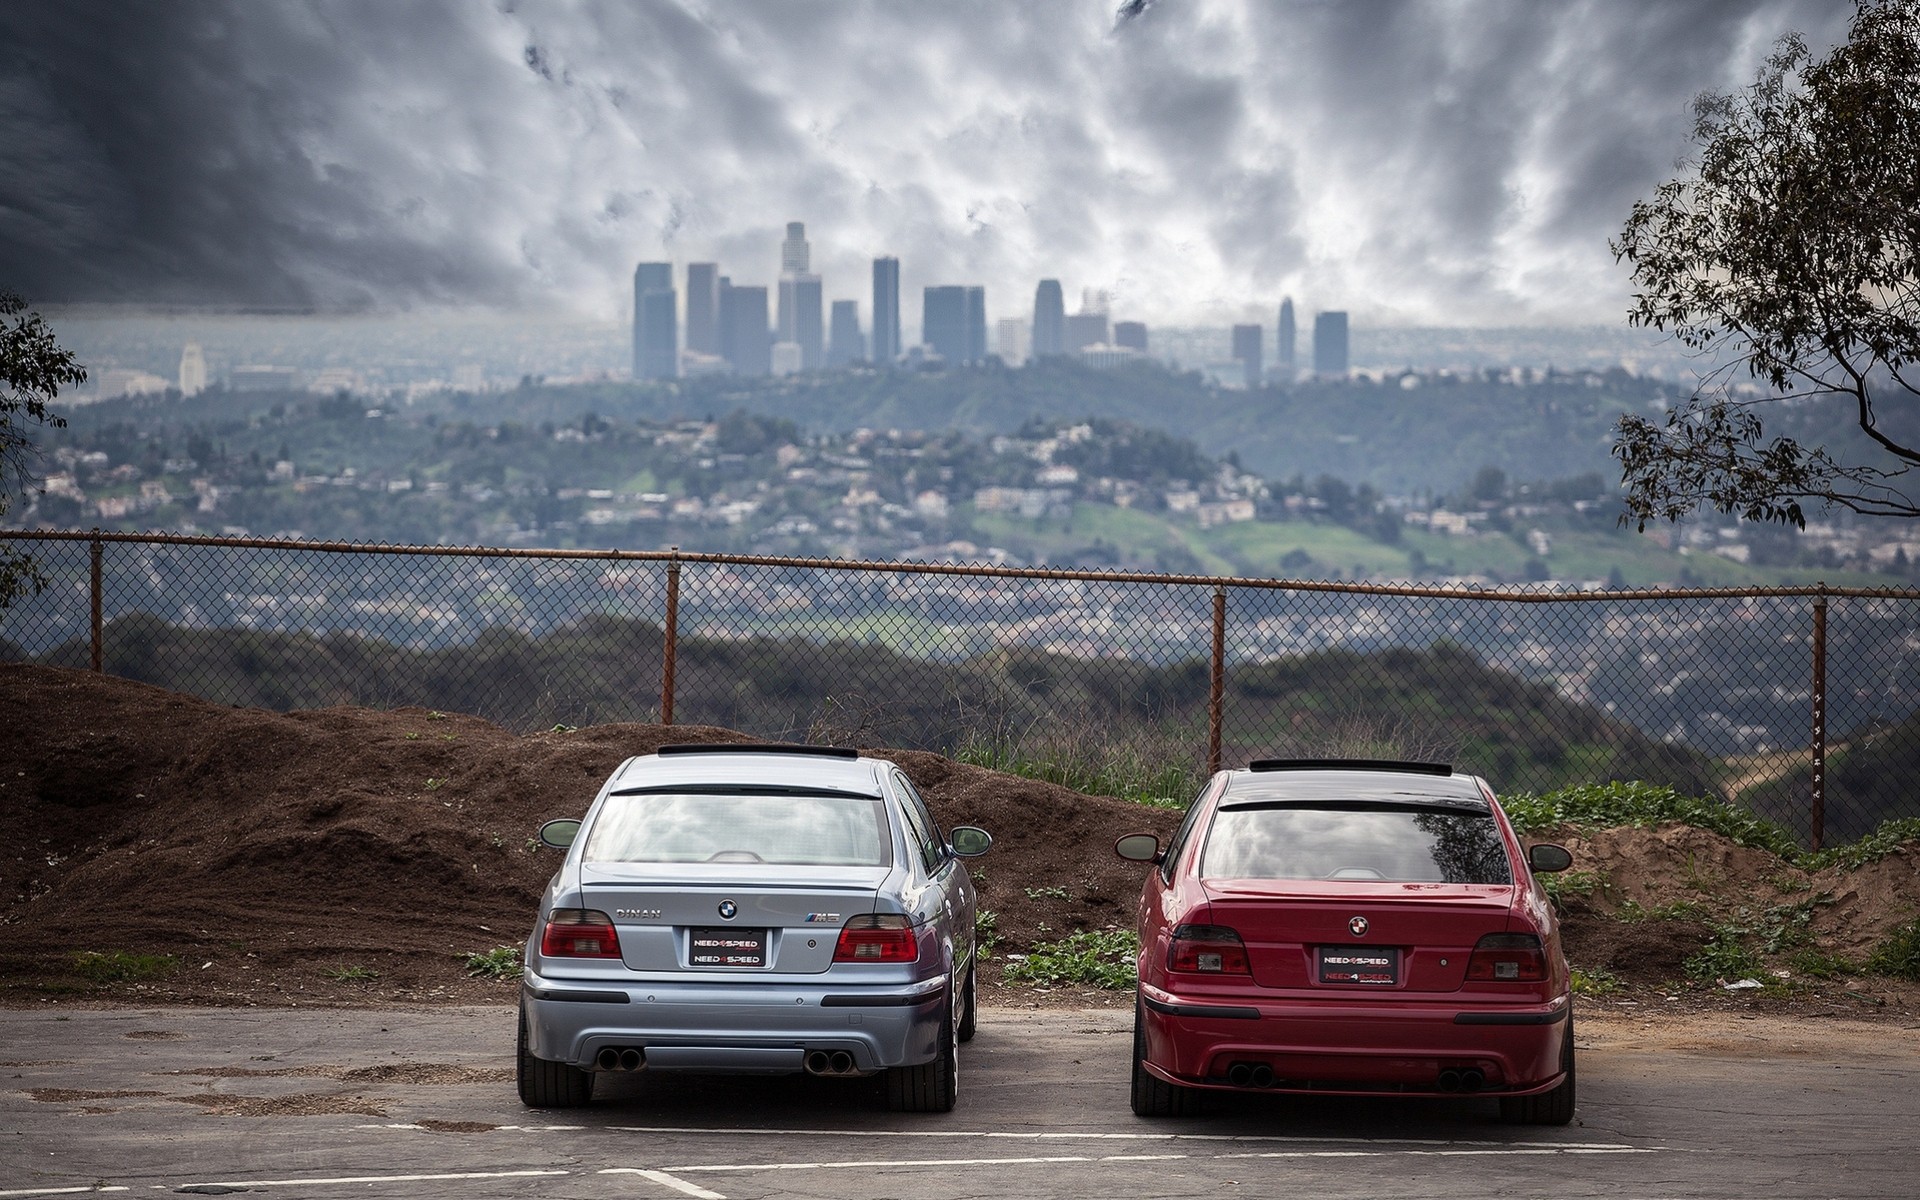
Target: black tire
546	1084
970	994
1153	1096
930	1086
1548	1108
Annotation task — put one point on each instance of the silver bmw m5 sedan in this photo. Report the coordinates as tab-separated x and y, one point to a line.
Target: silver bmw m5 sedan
753	909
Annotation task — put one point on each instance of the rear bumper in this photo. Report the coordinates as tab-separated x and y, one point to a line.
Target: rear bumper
1340	1046
738	1027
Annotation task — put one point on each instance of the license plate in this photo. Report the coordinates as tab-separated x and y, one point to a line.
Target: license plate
1366	967
729	948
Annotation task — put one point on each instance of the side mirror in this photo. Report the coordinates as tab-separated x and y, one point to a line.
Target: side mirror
1138	847
1547	858
969	842
560	833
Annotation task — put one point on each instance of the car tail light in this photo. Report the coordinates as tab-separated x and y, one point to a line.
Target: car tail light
1508	958
1210	949
579	933
877	938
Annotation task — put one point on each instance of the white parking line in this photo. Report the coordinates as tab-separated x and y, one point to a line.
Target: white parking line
63	1191
1070	1136
700	1168
661	1177
338	1179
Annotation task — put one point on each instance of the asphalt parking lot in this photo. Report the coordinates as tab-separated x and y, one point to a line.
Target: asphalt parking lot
384	1102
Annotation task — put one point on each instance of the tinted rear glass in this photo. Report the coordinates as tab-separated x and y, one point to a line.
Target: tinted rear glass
800	830
1403	844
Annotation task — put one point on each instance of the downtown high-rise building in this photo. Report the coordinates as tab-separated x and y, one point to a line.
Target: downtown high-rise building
845	343
1049	320
1130	334
886	310
1284	364
703	307
800	316
749	345
656	329
193	369
1083	329
953	320
1247	352
1330	345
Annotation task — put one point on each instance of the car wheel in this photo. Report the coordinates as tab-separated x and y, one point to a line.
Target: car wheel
546	1084
1153	1096
964	1031
931	1086
1548	1108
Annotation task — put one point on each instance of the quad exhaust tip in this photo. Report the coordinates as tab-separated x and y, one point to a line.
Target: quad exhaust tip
1250	1074
1472	1079
620	1058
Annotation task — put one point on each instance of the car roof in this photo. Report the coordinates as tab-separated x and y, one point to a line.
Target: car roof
797	767
1326	782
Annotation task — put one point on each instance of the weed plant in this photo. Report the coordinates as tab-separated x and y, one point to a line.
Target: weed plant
351	974
1899	955
501	962
122	966
1103	958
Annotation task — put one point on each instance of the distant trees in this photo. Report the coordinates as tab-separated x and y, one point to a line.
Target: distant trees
33	369
1790	254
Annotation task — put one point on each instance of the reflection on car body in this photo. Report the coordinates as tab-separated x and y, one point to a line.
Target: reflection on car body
1354	927
753	909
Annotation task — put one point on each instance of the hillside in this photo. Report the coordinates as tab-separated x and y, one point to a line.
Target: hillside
166	849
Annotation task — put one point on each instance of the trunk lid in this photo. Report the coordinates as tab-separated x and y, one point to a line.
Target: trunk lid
786	919
1412	937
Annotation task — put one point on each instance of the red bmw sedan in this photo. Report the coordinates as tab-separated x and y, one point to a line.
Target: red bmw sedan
1350	927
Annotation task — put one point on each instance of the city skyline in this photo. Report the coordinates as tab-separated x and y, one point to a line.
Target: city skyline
1412	163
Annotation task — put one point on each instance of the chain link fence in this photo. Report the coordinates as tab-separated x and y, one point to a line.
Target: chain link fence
1799	703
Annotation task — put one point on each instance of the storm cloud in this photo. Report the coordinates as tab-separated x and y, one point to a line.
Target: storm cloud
1417	162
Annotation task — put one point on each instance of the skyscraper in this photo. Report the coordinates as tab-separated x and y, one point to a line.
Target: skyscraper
800	315
749	348
844	341
703	307
1085	329
656	330
1283	360
723	313
1330	345
193	370
953	321
1131	334
795	251
1010	340
1246	350
1049	320
976	324
886	310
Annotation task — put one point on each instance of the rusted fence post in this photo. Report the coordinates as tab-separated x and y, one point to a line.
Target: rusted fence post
1217	689
1817	819
669	640
98	647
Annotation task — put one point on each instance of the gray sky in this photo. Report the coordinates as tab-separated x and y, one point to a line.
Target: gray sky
1449	162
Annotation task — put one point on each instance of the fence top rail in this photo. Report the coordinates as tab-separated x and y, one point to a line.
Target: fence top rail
1509	594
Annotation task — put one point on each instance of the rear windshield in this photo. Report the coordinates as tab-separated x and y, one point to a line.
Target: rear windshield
1400	844
848	831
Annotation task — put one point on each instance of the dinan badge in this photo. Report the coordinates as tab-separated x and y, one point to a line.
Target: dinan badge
1357	926
729	910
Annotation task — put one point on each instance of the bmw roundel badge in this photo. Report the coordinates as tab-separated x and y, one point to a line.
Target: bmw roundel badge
1357	926
729	910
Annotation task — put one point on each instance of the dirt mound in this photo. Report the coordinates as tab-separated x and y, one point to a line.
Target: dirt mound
348	854
162	848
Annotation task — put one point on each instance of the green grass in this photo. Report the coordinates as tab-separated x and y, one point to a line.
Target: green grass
1096	958
501	962
986	931
1899	955
1814	963
122	966
1572	883
1874	846
1594	982
351	974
